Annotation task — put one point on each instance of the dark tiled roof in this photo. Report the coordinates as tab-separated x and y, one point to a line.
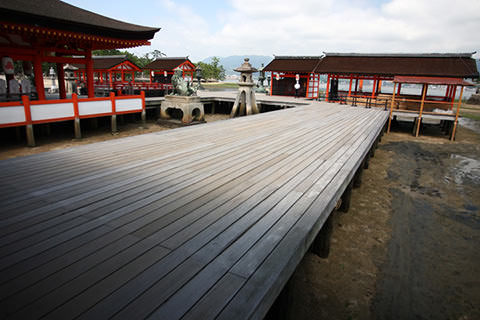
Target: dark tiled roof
428	65
56	14
105	62
168	64
304	64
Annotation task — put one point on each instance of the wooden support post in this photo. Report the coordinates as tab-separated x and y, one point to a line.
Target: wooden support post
144	113
372	149
399	89
61	81
213	107
28	118
391	107
366	161
114	115
18	134
321	243
76	123
37	69
93	123
419	119
48	129
456	115
453	93
346	197
279	309
357	179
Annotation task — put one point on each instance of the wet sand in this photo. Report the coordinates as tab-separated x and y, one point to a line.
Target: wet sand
409	246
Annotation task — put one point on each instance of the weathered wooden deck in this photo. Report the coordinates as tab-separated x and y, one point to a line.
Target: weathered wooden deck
201	222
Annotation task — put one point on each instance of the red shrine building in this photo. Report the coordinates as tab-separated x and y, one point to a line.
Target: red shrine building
33	32
54	31
109	70
162	69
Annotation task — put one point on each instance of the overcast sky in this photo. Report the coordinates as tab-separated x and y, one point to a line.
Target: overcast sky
299	27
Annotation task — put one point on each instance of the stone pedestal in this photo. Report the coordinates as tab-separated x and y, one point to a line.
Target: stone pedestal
191	107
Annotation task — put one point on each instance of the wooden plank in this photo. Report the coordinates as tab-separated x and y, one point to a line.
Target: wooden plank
159	232
167	286
192	291
174	260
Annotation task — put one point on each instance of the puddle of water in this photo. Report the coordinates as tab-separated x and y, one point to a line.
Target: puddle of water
471	124
466	170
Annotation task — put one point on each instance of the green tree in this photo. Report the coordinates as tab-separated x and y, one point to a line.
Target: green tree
212	70
141	61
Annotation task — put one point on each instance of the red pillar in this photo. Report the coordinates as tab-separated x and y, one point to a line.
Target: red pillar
37	69
89	67
453	94
61	81
327	88
350	86
399	88
271	83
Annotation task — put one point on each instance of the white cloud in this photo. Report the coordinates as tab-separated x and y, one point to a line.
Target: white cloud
309	27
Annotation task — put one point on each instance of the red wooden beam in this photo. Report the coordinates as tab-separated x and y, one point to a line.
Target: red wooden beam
61	81
89	66
37	69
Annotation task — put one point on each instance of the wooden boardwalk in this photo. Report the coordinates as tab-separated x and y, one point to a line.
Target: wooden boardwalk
200	222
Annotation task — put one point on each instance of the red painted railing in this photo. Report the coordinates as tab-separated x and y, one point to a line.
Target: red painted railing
26	111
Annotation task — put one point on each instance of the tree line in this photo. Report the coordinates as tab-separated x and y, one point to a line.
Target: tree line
212	70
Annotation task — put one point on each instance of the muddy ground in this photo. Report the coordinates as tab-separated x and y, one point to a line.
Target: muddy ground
409	246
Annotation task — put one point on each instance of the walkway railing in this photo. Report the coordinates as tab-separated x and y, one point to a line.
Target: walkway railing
29	112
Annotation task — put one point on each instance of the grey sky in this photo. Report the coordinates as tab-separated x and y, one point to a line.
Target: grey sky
300	27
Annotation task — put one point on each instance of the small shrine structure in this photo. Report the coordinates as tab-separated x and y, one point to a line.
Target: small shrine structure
53	31
162	69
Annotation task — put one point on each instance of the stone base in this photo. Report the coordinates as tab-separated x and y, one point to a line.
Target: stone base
474	99
191	107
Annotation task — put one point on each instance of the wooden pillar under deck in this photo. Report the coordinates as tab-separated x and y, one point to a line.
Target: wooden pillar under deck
346	197
76	123
321	244
456	115
114	116
28	118
357	179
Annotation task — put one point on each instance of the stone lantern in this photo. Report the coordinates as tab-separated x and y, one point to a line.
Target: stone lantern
198	75
245	102
261	79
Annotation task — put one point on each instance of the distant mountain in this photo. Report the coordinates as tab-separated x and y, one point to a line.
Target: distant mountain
232	62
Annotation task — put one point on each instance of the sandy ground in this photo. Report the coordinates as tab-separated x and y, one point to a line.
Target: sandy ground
408	247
